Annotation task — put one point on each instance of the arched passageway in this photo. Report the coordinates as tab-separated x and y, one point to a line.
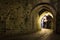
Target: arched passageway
41	11
46	20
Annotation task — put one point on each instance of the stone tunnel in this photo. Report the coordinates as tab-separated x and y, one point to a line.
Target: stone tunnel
23	16
38	14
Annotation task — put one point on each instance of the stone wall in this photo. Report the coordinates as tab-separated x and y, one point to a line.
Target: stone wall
58	17
15	16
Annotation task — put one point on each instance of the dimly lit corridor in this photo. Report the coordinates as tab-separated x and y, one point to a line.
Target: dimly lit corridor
29	20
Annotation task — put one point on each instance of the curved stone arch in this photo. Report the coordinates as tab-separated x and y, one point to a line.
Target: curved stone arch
43	4
35	14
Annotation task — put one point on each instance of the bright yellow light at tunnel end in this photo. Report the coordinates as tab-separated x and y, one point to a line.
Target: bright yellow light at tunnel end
46	13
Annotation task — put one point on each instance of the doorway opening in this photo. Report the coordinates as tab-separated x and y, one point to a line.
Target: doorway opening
46	20
41	11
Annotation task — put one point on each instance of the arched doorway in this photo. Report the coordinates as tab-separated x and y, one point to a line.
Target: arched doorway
43	9
46	20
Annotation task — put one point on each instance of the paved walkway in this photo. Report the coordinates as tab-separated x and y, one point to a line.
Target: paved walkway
44	34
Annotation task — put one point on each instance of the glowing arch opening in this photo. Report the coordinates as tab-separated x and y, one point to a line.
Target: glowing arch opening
45	13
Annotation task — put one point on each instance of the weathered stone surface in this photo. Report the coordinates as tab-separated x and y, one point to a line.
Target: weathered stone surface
16	17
